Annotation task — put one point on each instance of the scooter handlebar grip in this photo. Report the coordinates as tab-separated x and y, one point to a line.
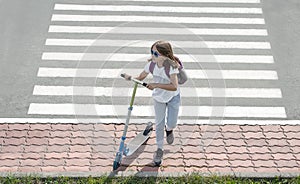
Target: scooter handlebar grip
145	84
125	76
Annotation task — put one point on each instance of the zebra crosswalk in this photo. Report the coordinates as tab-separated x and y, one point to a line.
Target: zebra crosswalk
223	44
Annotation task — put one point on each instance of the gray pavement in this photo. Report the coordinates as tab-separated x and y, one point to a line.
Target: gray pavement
282	19
24	26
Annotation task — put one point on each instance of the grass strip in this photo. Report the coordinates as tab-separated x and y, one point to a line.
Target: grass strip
188	179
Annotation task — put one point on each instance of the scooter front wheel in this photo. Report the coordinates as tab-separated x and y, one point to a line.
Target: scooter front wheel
117	161
116	165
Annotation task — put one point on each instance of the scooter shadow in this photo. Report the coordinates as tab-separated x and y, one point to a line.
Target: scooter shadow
149	169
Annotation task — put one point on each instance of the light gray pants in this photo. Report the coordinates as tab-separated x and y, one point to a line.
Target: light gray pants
172	109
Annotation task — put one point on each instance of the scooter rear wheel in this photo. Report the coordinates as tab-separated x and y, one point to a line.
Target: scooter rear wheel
148	128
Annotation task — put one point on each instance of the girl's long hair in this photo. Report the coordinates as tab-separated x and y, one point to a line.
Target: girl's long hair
165	49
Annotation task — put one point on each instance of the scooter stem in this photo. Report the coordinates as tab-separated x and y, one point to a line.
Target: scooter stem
133	94
129	110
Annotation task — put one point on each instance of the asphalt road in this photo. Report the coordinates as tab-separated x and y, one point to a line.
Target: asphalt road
24	26
24	29
284	32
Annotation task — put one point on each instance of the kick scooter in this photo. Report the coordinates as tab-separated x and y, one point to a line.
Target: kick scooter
142	137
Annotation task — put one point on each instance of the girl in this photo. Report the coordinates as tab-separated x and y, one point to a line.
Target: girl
166	93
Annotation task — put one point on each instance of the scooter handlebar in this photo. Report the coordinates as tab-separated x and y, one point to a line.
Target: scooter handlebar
128	77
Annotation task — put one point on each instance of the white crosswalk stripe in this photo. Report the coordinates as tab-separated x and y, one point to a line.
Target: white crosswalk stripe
144	44
176	20
142	111
143	92
193	74
223	44
162	31
201	1
158	9
125	57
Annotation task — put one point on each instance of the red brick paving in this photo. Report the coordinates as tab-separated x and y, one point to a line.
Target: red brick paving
241	150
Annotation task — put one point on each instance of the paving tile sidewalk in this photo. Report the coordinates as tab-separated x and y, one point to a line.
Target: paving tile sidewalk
89	149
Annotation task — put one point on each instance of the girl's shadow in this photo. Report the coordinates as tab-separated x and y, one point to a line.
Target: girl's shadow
149	169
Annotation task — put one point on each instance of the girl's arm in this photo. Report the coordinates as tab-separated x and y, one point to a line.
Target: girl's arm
170	87
142	76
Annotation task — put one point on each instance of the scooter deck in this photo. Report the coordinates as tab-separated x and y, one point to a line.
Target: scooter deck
135	143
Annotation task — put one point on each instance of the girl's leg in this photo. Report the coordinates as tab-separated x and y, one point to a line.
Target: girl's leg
160	116
173	110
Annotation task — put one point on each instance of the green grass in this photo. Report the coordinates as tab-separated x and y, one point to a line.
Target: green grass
193	178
